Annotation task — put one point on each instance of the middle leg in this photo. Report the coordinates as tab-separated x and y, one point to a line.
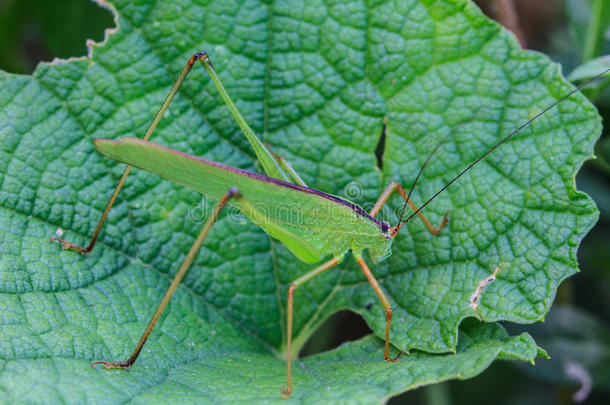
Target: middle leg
289	310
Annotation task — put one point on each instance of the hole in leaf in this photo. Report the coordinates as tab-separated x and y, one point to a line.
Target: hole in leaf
380	148
343	326
32	31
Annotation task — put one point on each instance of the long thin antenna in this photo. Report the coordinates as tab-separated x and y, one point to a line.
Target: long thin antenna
436	148
506	138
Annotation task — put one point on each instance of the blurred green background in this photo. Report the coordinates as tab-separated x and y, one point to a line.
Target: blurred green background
576	333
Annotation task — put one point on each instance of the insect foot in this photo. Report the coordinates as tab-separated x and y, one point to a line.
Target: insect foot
67	245
396	358
112	364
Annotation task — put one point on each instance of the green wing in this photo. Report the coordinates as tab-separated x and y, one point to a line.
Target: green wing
309	223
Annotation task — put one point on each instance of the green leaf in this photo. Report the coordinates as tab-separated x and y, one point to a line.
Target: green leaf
590	69
243	374
598	91
317	83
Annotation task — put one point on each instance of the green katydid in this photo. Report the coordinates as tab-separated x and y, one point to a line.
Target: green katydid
311	224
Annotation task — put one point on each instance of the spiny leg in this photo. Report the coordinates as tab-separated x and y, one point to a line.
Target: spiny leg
232	193
385	196
387	306
153	125
289	310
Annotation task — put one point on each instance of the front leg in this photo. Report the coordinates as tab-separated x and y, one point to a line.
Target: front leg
385	196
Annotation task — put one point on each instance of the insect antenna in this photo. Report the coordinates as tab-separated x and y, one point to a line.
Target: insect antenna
506	138
436	148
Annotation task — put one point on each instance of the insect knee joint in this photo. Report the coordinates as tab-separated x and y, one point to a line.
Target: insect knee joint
233	193
388	313
197	56
201	57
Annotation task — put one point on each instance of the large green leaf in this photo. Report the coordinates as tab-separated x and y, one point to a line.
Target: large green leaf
316	82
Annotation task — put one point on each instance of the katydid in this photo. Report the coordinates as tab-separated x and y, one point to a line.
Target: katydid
312	224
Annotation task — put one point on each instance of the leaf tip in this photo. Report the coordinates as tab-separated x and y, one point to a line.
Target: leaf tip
542	353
